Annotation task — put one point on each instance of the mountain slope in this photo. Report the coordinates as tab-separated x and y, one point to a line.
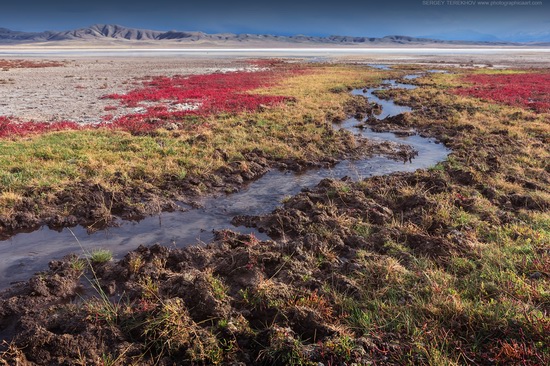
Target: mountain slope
106	32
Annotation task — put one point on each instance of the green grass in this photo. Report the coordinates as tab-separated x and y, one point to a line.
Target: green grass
99	256
39	168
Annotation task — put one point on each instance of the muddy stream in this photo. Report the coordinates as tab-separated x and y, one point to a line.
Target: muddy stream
27	253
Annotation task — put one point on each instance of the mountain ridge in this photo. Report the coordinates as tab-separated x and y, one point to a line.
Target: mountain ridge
113	32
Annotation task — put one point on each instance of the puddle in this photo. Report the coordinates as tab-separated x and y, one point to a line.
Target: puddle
27	253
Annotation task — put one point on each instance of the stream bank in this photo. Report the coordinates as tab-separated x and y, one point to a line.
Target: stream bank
27	253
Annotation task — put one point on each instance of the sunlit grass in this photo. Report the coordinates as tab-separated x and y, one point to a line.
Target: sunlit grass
52	162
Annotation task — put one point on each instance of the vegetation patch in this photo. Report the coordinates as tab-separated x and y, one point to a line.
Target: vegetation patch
530	90
172	99
99	256
12	127
5	65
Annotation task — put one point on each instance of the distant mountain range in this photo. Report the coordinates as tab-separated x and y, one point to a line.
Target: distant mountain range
115	33
464	35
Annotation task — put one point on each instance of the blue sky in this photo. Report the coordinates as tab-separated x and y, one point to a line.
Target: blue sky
446	19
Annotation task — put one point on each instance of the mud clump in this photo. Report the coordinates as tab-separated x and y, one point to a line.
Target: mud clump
159	305
343	211
399	125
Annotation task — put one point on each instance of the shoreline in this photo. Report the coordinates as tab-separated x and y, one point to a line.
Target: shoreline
70	50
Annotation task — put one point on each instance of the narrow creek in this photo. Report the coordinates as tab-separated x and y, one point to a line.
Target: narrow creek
27	253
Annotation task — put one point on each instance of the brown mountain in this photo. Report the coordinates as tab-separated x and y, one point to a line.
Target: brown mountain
113	33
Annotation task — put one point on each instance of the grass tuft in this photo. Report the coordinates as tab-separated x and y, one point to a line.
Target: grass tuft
99	256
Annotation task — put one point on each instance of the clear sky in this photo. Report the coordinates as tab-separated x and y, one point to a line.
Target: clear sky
506	20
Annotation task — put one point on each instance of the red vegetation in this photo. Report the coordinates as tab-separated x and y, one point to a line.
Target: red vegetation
168	100
519	90
197	95
9	127
26	64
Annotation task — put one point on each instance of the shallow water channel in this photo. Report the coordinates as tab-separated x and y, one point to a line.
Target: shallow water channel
27	253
